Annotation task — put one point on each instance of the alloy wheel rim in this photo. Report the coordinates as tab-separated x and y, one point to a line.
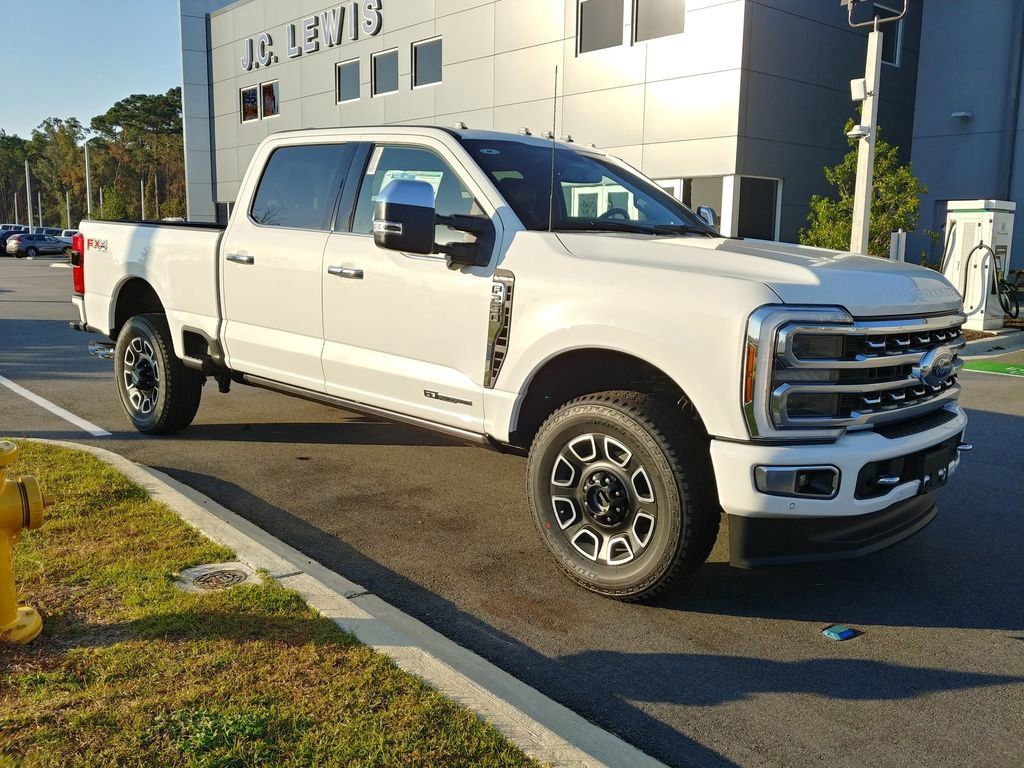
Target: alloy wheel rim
603	500
141	376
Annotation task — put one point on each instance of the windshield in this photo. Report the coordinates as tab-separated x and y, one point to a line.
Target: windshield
592	191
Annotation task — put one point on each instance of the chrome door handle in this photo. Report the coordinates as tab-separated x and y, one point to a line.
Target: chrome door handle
240	258
350	272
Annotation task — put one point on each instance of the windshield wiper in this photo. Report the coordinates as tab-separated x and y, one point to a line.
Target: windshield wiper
685	229
609	225
612	225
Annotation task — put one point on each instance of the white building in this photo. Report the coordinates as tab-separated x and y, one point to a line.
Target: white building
735	104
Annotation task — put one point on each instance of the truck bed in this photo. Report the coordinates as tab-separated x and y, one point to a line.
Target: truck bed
179	260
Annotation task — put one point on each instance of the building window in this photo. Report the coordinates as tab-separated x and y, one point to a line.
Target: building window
600	24
759	208
384	72
300	186
270	99
426	62
250	104
892	34
348	81
657	18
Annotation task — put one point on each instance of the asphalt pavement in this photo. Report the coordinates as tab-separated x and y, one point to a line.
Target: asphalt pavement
731	671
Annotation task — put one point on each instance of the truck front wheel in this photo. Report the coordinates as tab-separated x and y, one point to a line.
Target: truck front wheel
159	394
619	486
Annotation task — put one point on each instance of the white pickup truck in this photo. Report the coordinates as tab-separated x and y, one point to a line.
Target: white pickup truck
545	298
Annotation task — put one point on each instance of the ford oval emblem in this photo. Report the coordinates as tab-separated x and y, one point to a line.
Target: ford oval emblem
936	366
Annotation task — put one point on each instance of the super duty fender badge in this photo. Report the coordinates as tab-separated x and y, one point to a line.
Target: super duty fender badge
96	245
431	394
499	324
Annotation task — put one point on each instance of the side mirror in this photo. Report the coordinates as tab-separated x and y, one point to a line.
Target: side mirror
707	214
404	217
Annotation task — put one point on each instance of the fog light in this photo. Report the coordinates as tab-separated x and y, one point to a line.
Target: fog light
806	482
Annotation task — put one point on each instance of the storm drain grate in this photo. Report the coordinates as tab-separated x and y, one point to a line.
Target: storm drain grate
216	577
220	579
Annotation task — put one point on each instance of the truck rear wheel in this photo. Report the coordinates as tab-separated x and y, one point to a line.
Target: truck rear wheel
619	484
159	394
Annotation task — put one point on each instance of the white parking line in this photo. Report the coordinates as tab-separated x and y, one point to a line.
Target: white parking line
56	410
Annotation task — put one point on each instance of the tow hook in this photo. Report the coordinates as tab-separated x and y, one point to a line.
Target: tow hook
104	350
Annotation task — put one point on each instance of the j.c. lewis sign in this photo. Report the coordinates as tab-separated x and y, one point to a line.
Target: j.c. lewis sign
327	28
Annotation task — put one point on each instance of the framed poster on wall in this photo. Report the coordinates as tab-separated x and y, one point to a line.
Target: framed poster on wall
250	104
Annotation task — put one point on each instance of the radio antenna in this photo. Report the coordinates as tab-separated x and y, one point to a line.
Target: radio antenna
554	125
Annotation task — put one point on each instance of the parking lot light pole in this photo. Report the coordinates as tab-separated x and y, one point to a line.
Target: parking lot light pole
862	13
39	198
88	182
67	204
28	194
860	234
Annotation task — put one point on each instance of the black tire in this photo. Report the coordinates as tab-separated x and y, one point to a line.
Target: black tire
677	498
68	251
1009	301
31	253
159	394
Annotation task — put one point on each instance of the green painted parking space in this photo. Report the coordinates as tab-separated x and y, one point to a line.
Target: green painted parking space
988	366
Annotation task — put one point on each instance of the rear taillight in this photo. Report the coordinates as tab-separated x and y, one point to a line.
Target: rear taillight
78	263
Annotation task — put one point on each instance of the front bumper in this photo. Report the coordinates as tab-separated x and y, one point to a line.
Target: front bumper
734	464
755	541
767	529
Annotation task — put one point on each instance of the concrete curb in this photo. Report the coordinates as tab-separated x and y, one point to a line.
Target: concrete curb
1001	344
541	727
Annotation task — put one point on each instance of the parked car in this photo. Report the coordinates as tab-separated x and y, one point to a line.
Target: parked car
13	228
67	236
654	372
22	244
6	235
55	231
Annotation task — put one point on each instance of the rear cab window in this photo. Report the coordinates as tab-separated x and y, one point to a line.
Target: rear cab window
300	186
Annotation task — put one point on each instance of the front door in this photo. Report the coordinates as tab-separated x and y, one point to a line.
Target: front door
271	265
404	332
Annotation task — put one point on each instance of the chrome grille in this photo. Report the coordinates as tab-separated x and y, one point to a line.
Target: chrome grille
814	372
874	377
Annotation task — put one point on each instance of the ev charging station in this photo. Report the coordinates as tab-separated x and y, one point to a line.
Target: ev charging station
979	234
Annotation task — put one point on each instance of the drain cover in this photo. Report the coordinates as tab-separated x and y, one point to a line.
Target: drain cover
220	579
216	577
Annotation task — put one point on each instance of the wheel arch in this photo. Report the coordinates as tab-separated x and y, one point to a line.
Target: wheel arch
134	296
569	374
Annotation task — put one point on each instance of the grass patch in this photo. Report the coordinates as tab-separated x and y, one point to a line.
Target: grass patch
131	671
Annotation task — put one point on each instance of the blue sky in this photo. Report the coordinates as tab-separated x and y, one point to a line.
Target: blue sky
75	58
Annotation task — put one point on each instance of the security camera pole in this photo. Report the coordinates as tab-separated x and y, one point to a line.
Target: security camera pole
862	14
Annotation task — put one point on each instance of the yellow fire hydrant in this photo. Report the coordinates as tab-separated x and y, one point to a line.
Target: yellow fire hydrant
21	508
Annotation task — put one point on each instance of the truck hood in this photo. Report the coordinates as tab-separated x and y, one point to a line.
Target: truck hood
865	286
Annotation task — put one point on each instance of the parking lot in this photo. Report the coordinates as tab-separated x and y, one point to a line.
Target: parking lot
732	670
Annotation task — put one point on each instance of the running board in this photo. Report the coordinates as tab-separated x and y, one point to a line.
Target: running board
462	435
104	350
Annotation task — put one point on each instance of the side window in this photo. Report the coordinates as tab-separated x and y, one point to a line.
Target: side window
300	186
388	163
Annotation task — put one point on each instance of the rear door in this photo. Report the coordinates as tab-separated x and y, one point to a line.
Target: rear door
271	261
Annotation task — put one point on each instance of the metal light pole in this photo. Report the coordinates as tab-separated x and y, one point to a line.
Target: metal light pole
101	202
859	236
142	192
28	194
39	197
862	13
16	214
67	203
